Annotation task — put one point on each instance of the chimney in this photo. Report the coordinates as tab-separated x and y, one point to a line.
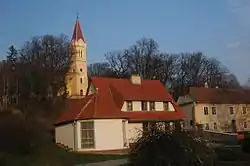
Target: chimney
135	79
206	85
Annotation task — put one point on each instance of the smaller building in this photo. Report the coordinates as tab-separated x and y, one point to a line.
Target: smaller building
114	112
216	109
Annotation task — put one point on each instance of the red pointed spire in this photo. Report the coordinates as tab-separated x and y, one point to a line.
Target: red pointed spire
77	34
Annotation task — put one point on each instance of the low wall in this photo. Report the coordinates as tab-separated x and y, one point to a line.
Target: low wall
224	138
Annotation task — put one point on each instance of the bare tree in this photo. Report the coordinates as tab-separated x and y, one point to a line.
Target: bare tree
100	69
176	71
118	63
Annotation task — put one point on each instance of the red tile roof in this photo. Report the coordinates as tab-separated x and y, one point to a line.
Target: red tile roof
77	34
110	96
219	95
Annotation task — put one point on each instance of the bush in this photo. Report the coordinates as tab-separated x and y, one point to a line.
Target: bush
178	148
245	145
19	136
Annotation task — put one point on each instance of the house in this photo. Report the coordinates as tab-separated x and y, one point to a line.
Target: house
113	112
216	109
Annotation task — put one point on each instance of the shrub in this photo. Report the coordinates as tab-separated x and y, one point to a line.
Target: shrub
245	145
19	136
177	148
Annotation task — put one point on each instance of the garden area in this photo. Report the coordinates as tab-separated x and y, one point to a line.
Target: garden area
31	143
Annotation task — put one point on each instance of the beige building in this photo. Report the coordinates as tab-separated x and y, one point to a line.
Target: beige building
216	109
77	78
114	113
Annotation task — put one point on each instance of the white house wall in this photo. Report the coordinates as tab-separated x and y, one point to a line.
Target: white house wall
108	135
133	131
65	135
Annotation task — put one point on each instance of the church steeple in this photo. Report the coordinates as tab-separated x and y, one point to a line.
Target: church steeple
77	34
77	78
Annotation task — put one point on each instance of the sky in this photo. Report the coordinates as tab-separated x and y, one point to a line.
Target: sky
218	28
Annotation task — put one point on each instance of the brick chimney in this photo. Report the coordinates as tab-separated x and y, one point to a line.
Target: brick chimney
135	79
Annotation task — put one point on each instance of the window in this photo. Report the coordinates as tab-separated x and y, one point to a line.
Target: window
87	135
144	105
81	92
205	110
80	53
206	126
213	110
129	105
231	110
152	105
215	126
81	80
244	110
80	69
245	124
165	106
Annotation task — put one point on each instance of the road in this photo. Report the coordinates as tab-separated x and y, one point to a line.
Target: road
116	162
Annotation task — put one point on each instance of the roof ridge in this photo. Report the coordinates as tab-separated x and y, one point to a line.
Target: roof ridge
84	107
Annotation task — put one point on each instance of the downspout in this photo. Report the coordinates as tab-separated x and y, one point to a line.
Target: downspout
74	139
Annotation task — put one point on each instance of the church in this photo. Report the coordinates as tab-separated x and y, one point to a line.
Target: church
108	114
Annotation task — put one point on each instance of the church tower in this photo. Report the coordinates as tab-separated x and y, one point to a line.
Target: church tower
77	78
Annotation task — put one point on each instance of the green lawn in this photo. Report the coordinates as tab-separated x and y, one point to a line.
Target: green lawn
51	155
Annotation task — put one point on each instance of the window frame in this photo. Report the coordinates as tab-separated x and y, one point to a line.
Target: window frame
129	106
205	110
206	126
214	110
89	138
215	126
245	124
144	103
244	110
231	108
166	106
81	92
152	105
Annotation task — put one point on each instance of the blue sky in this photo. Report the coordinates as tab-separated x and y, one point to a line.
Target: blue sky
218	28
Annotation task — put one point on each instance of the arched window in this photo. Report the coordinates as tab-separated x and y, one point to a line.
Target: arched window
80	53
81	92
81	80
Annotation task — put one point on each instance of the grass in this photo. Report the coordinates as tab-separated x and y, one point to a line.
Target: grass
51	155
231	154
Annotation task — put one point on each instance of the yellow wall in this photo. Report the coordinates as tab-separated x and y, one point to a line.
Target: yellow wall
223	118
78	63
